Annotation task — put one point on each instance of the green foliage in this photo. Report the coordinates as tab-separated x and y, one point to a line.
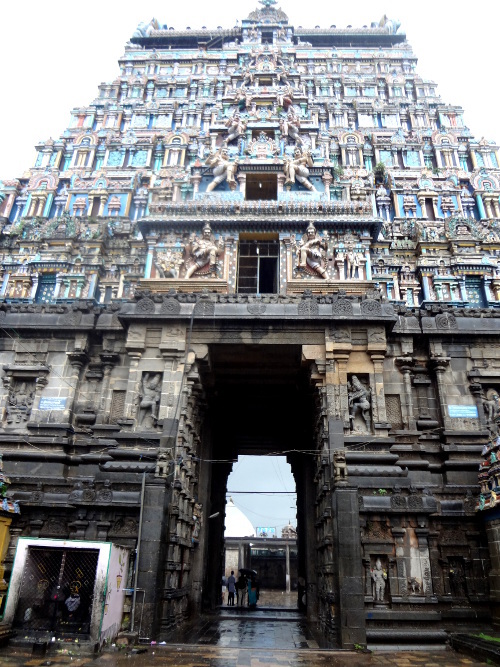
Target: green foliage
380	492
337	172
379	170
488	638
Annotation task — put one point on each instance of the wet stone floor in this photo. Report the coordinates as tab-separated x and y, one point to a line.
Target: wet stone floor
273	635
202	656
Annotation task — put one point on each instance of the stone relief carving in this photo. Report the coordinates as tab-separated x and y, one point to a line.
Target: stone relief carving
491	405
19	402
296	169
168	262
222	169
202	252
149	400
339	465
290	127
197	520
379	578
359	405
311	252
164	464
236	127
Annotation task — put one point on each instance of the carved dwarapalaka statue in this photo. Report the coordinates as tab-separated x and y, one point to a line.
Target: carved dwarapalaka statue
379	577
203	251
359	401
149	399
311	251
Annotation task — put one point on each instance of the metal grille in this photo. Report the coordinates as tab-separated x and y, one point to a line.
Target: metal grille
57	590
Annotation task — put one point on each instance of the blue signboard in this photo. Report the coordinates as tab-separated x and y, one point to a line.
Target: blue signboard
462	411
49	403
265	531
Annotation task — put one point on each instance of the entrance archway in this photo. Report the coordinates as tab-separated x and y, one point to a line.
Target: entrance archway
259	533
259	401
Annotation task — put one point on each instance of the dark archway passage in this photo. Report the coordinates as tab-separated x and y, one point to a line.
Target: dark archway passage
259	402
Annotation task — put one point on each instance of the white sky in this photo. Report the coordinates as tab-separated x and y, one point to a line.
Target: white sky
264	473
53	54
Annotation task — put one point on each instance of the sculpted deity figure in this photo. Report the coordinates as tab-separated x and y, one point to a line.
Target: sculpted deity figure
197	520
149	399
290	127
281	74
19	404
379	577
352	260
311	251
223	169
359	401
296	169
243	98
284	99
491	406
204	251
248	77
236	126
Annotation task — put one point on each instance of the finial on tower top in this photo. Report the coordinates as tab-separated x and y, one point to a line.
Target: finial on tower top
267	3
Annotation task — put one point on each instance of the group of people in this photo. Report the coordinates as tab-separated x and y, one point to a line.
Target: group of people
244	588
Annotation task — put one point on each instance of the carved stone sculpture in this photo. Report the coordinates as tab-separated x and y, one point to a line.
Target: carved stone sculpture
19	403
149	399
248	78
353	262
339	465
236	127
290	127
359	401
379	577
198	520
164	464
223	169
491	406
311	251
203	251
296	169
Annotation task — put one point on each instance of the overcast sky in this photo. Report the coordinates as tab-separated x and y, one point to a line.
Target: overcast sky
54	54
264	474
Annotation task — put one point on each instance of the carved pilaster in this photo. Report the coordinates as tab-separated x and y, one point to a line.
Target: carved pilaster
440	365
405	364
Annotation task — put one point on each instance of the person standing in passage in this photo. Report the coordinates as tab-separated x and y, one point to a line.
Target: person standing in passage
242	590
231	588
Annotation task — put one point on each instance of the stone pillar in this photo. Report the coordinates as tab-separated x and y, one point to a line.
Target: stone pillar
440	365
493	533
378	396
405	364
287	569
402	579
349	608
77	359
242	180
157	496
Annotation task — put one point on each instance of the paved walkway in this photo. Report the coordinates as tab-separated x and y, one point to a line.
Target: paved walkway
196	656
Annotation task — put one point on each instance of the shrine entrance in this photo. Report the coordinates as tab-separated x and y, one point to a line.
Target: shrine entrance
260	402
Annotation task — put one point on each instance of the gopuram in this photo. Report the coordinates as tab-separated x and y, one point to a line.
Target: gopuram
260	239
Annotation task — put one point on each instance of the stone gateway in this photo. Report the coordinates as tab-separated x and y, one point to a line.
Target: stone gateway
255	240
